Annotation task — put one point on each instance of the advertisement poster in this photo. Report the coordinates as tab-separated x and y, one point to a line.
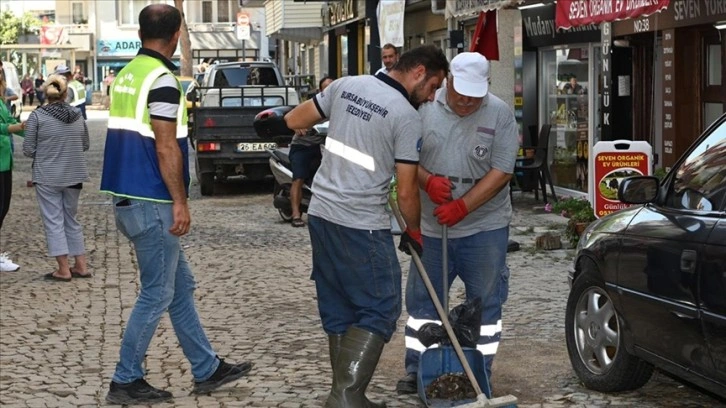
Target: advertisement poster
612	165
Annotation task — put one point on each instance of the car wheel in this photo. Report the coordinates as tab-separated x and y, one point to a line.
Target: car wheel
595	342
206	184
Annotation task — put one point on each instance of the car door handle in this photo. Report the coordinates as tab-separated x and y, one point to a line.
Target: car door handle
688	261
682	315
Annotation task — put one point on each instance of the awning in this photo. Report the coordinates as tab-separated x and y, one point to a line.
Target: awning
575	13
209	40
462	8
300	35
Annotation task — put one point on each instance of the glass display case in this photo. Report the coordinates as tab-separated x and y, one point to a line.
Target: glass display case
568	102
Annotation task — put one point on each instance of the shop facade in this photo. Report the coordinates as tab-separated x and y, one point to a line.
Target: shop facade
351	33
676	59
561	86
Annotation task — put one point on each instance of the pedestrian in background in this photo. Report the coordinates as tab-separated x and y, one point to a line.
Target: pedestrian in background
39	89
107	81
56	137
389	58
76	90
468	152
305	156
146	169
28	90
8	126
374	131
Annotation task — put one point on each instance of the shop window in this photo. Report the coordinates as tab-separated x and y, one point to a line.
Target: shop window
713	98
565	87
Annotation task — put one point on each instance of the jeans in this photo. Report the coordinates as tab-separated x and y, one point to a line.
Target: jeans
167	283
357	277
479	261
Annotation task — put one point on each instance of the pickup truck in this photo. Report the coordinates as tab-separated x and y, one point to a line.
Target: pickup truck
221	130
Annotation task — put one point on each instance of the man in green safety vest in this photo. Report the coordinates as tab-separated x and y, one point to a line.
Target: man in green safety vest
146	170
76	90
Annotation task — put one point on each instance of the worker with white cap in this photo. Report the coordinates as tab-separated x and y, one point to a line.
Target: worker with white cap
76	90
467	158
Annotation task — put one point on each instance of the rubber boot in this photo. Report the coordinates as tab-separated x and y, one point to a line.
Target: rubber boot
334	348
354	366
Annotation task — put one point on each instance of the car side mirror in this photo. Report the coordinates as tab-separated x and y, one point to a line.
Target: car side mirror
638	190
192	97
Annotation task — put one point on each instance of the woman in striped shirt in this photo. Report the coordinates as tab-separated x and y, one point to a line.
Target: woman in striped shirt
56	137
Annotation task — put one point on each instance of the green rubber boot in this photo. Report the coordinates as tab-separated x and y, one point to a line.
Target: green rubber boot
357	357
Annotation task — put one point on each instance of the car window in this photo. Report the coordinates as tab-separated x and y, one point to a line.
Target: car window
700	181
241	76
257	101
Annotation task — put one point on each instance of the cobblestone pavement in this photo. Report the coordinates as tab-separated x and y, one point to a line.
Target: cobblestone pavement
59	341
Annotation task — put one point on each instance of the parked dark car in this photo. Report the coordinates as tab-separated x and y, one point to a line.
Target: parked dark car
648	287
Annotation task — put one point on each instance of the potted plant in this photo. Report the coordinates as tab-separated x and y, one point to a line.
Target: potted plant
580	214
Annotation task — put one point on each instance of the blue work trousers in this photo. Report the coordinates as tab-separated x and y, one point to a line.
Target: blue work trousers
357	277
479	260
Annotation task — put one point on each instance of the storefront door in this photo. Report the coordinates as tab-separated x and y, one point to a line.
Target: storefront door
569	101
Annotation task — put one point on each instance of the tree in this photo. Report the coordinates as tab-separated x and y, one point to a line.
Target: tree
186	43
12	27
9	28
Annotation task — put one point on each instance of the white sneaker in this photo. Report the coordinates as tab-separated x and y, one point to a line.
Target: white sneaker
6	265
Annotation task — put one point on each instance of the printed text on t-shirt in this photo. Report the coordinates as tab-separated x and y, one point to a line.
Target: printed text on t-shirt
363	103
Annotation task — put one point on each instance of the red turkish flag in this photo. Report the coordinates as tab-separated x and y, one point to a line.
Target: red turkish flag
485	40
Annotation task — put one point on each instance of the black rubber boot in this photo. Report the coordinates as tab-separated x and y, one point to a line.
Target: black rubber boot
354	366
334	348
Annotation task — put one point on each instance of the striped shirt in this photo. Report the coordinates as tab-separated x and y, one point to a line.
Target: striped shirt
164	98
56	148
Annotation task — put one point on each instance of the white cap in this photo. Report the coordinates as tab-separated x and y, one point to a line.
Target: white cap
62	69
471	74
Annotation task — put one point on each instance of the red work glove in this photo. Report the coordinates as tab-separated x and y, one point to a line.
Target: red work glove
414	238
451	212
438	188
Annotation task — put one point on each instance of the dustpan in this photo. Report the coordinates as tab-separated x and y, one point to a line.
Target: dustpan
435	362
465	361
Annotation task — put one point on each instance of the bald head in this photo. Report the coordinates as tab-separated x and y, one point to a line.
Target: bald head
159	22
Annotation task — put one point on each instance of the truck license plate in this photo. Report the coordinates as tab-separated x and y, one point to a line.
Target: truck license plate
255	147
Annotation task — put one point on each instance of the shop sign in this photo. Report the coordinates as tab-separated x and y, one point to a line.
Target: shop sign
573	13
340	12
613	162
460	8
680	13
606	80
669	96
390	22
540	30
118	48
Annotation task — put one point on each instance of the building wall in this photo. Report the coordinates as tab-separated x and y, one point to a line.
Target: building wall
502	71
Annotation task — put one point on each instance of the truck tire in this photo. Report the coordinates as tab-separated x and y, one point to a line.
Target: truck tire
206	183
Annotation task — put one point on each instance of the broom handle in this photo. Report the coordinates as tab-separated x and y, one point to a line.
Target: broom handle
437	303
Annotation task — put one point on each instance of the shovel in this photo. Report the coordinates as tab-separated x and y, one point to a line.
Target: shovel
481	399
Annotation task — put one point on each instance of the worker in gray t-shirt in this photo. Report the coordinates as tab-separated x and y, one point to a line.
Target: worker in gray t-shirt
374	130
466	161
